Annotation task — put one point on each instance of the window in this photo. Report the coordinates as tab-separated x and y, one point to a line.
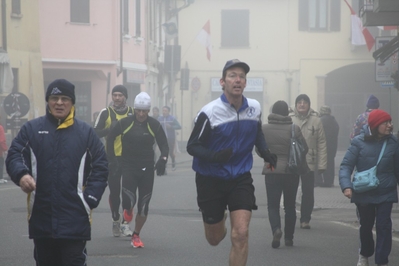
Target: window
319	15
80	11
125	18
138	18
235	22
16	7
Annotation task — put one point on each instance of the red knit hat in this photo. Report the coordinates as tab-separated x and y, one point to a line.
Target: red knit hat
377	117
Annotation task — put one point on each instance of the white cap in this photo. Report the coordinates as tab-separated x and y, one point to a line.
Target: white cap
142	101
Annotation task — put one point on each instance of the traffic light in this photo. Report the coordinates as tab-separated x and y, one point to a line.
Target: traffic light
184	79
395	77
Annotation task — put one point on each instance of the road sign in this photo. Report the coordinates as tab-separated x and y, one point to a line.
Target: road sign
16	104
384	70
387	84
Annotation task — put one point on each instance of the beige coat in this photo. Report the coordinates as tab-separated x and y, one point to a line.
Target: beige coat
313	132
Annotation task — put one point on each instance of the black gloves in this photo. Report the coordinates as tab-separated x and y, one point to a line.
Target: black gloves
222	156
160	166
270	158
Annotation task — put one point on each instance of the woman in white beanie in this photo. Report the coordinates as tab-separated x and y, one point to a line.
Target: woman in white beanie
139	133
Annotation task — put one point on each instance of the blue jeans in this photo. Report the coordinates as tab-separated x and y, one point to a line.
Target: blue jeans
381	214
286	184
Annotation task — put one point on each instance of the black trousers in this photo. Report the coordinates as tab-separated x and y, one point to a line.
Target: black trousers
381	215
277	184
60	252
307	202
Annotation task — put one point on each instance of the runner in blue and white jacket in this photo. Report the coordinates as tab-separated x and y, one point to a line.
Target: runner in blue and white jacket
226	131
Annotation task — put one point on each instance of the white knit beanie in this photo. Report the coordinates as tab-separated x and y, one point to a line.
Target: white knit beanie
142	101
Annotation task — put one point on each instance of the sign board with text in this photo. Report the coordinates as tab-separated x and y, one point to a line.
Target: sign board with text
384	70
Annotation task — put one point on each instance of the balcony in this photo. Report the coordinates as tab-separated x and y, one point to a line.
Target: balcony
379	12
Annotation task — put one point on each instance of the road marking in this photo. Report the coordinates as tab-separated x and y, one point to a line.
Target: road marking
357	228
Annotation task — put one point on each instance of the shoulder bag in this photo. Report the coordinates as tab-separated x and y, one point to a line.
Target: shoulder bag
367	180
297	157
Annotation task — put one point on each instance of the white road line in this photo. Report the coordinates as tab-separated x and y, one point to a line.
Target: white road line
357	228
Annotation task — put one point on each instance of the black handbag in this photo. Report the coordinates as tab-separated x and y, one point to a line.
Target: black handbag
297	157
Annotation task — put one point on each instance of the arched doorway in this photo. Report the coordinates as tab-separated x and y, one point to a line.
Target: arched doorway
346	92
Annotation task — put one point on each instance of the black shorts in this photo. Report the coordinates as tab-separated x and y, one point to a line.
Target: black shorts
215	195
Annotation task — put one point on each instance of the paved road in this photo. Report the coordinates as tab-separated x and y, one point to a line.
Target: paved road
173	234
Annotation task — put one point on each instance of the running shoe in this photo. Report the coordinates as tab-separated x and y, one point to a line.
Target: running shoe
128	215
136	241
116	227
125	230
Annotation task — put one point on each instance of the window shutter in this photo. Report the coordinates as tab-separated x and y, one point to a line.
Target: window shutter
303	15
335	15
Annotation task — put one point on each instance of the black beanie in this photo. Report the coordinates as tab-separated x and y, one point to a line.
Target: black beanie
61	87
120	88
302	97
280	108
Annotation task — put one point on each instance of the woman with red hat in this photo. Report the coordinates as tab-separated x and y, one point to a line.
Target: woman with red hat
374	205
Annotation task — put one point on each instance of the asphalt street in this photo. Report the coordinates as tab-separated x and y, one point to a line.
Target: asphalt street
174	235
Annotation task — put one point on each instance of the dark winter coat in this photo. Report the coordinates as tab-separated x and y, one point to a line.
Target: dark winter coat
331	130
69	165
363	155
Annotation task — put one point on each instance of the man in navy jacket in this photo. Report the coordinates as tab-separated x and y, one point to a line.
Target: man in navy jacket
61	164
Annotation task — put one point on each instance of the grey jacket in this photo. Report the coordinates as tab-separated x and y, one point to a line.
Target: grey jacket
278	135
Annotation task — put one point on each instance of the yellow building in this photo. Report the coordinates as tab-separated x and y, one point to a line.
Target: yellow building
292	47
20	43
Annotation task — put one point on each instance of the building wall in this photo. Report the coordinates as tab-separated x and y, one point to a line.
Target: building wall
289	61
91	52
23	47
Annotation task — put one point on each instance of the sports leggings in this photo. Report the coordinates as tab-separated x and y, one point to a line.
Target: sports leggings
139	178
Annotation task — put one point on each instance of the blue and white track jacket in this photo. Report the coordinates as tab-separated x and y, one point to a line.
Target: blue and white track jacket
219	126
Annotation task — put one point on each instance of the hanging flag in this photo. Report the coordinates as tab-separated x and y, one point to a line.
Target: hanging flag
170	28
204	37
360	35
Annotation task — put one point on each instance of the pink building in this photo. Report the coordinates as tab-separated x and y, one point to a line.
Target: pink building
95	45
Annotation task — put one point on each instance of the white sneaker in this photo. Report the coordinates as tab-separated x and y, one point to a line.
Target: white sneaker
116	227
2	181
363	261
125	230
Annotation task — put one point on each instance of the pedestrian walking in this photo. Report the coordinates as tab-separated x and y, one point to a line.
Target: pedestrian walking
155	112
225	133
139	133
278	133
374	206
372	104
59	161
331	130
106	119
312	130
170	125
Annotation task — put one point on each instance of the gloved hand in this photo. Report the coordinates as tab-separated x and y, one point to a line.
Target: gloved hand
160	166
222	156
271	158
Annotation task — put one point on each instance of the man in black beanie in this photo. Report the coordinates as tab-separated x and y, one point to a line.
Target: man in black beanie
61	164
107	118
312	130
